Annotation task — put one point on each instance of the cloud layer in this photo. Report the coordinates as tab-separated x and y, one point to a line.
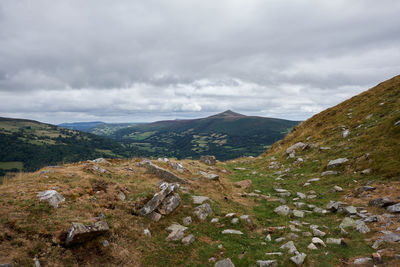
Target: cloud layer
147	60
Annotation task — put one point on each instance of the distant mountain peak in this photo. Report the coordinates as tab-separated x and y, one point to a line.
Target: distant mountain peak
227	114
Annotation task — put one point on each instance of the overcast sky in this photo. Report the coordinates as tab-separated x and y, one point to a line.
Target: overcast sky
131	60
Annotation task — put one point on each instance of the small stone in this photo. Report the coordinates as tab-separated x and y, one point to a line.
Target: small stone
234	221
224	263
208	160
293	236
268	238
362	261
318	232
316	240
348	222
203	211
105	243
336	162
210	176
188	239
280	239
301	195
233	232
214	220
220	246
362	227
267	263
290	246
366	171
328	173
176	232
345	133
308	234
298	213
381	202
169	204
294	147
52	197
147	232
273	254
299	259
350	210
187	221
121	196
335	241
282	210
199	199
337	188
230	215
80	233
311	246
394	208
212	259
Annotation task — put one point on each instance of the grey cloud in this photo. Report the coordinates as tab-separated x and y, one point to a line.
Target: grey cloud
128	60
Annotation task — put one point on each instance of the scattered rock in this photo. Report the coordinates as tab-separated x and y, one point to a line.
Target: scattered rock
99	169
147	232
234	221
80	233
345	133
350	210
214	220
318	232
231	231
376	257
52	197
105	243
299	259
348	222
311	246
203	211
187	221
267	263
336	162
282	210
176	232
199	199
335	241
294	147
244	184
328	173
154	216
381	202
362	261
366	171
163	173
100	161
188	239
158	198
316	240
362	227
210	176
290	246
337	188
224	263
301	195
298	213
208	160
169	204
394	208
396	123
230	215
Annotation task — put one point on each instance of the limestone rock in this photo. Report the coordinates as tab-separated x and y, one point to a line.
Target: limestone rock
394	208
311	246
290	246
381	202
52	197
298	213
188	239
294	147
362	227
199	199
224	263
317	232
157	199
154	216
362	261
169	204
299	259
328	173
210	176
208	160
176	232
147	232
203	211
187	220
80	233
231	231
316	240
336	162
337	188
335	241
350	210
163	173
267	263
348	222
282	210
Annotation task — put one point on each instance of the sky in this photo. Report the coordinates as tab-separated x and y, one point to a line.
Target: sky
139	61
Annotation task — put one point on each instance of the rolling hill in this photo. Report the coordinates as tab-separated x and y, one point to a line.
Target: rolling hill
325	195
28	145
226	135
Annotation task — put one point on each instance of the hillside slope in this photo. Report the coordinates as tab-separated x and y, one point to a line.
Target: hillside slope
296	205
226	135
29	145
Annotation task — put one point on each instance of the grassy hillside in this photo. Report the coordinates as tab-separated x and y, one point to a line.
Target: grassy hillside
34	229
29	145
226	135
